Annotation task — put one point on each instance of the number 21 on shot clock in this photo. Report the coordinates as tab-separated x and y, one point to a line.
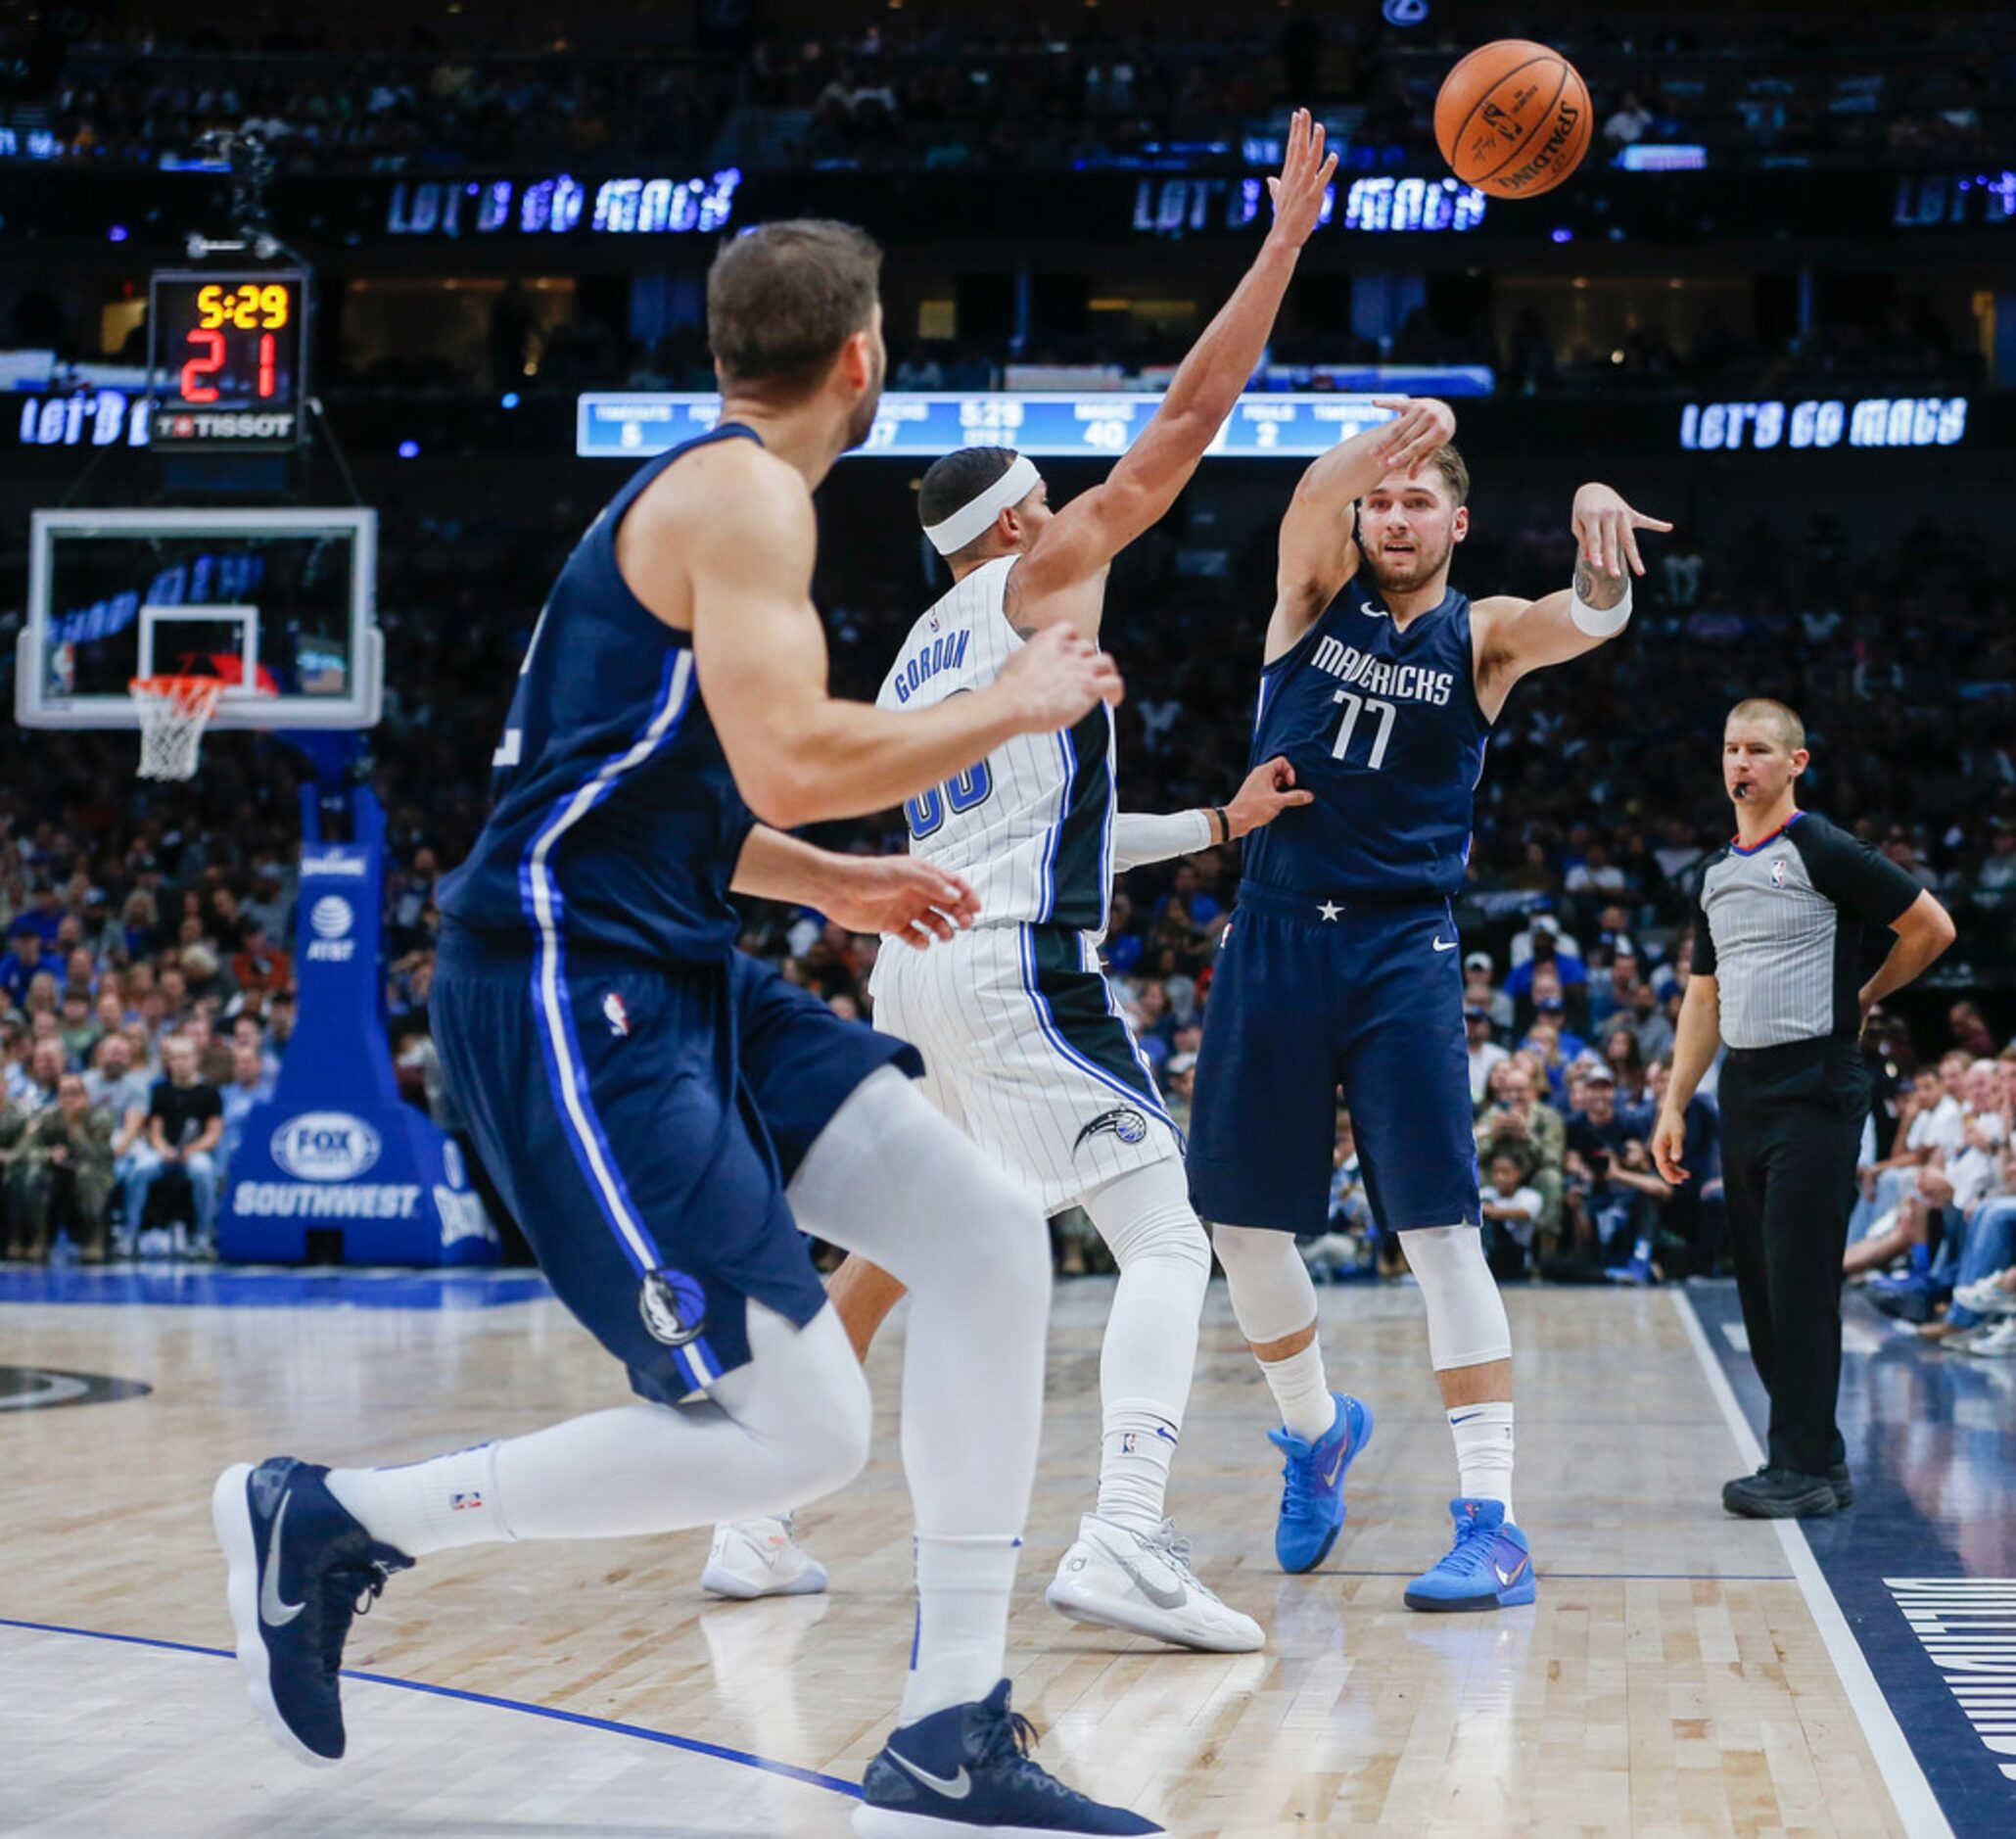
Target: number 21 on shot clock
227	352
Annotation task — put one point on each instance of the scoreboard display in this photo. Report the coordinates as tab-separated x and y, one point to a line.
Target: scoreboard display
634	425
227	354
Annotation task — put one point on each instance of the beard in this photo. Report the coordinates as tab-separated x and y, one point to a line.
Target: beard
1403	574
863	416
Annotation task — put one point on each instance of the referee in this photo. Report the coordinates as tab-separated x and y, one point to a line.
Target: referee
1777	976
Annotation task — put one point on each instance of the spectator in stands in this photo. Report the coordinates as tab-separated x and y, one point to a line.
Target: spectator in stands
1613	1188
62	1177
185	1118
1512	1211
1479	991
46	1067
1971	1034
1693	1223
251	1084
1485	1053
259	964
1516	1123
113	1085
1627	1064
23	963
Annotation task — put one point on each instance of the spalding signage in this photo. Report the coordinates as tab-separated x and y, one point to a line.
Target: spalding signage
325	1145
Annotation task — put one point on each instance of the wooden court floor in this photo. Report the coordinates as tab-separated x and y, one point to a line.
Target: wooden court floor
1670	1679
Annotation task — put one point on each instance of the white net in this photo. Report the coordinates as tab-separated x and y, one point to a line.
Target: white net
174	712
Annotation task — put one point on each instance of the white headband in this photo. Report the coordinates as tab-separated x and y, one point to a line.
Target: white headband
972	518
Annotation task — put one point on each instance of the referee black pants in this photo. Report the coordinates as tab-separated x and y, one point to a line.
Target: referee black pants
1792	1124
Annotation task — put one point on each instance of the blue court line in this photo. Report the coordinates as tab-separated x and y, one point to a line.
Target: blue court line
1544	1575
789	1770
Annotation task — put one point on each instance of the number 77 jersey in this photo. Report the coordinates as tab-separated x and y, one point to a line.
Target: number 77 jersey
1384	726
1031	827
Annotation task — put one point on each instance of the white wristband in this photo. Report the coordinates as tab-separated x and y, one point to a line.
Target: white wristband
1600	622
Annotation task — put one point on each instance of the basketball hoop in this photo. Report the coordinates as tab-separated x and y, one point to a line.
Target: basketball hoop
174	712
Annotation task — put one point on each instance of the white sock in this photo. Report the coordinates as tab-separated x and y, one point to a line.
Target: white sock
424	1507
1136	1447
1483	1452
1301	1391
964	1587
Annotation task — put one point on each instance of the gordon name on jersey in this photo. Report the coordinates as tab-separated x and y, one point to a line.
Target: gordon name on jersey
1031	827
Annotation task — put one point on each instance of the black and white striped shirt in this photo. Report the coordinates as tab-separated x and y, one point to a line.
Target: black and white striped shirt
1785	927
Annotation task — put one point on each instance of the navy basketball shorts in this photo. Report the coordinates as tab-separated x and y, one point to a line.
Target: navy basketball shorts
1309	998
643	1121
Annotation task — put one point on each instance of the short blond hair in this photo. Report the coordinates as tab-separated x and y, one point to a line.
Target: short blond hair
1782	716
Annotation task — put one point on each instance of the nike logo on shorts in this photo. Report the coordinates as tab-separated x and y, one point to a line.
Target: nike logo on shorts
1445	945
272	1611
954	1788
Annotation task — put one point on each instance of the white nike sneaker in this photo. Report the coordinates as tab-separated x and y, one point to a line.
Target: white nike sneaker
1986	1297
751	1558
1141	1583
1997	1344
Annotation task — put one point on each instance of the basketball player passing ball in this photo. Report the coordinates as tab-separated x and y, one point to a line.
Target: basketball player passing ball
664	1114
1024	1046
1341	965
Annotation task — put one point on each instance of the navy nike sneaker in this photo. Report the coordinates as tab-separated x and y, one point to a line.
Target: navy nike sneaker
302	1566
966	1769
1488	1567
1312	1484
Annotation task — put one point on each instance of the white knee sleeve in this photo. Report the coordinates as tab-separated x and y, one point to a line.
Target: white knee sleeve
1465	1315
1145	1214
1271	1292
1149	1352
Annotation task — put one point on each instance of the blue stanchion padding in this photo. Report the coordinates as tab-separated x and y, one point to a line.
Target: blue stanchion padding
336	1150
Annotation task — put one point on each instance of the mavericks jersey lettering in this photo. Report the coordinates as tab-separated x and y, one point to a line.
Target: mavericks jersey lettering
615	823
1384	726
1031	827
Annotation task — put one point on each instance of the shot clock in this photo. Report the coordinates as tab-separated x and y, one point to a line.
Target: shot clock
227	352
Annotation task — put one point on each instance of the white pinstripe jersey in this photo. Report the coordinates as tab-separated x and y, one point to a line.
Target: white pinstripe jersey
1031	827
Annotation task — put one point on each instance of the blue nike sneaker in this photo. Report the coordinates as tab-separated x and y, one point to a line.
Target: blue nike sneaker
966	1769
1312	1484
302	1566
1487	1567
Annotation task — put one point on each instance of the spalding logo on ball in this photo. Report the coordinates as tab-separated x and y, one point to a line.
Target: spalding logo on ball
1513	119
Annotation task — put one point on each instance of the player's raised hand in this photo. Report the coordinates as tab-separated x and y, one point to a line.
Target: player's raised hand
1268	791
1669	1144
1607	530
1056	678
1420	426
1305	175
902	895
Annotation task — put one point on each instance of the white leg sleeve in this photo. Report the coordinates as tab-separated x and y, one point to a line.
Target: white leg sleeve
1465	1315
891	1179
1271	1292
791	1425
1151	1347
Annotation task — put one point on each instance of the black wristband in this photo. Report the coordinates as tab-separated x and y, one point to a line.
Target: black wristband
1224	823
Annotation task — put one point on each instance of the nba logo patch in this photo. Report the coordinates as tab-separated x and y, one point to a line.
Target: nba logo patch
1778	872
614	1012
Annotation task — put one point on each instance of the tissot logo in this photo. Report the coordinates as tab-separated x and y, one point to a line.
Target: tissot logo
325	1145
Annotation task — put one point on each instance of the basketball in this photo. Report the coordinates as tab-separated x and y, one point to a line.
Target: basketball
1513	119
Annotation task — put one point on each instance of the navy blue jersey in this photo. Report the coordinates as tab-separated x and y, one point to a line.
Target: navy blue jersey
616	823
1384	726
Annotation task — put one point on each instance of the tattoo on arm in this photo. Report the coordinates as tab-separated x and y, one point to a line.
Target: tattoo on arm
1596	589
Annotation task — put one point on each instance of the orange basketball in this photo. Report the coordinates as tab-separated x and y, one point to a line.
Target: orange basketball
1513	119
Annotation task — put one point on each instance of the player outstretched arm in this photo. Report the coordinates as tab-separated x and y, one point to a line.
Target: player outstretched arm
1319	545
1521	636
799	755
1060	576
1140	838
904	895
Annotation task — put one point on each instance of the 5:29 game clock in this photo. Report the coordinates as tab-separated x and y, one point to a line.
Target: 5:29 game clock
226	350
